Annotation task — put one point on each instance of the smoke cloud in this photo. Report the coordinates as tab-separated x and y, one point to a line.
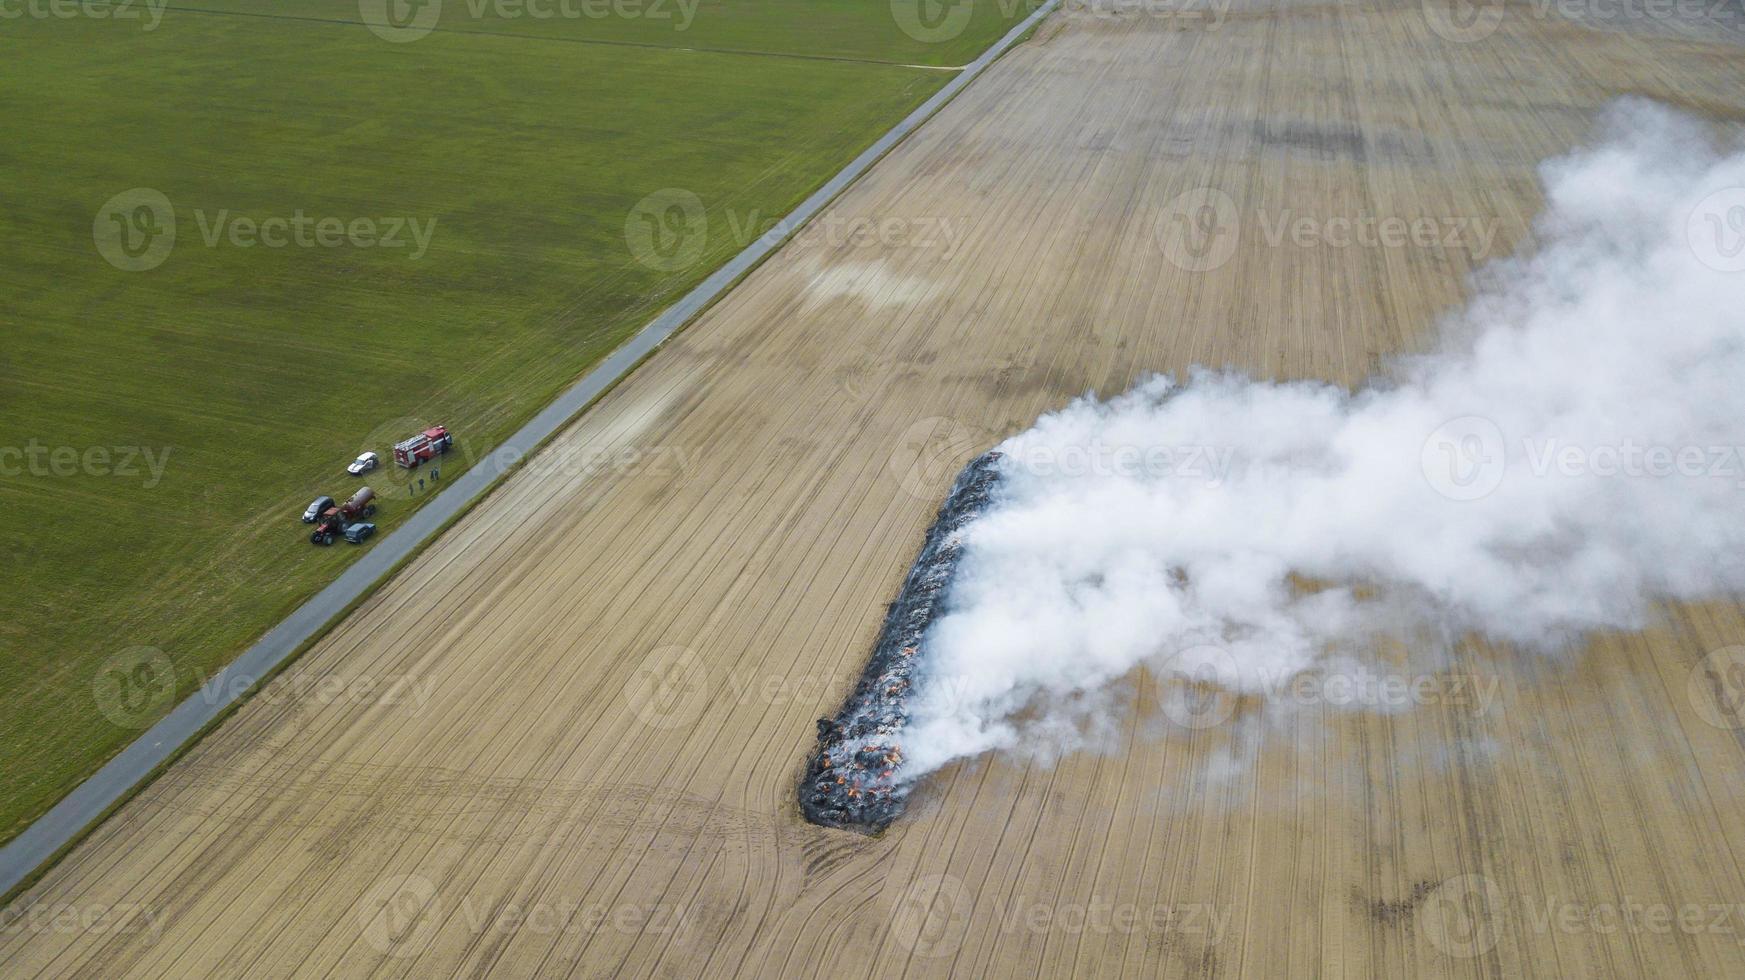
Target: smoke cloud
1567	455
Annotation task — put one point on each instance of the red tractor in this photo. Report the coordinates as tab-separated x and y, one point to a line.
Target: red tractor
423	447
334	520
327	527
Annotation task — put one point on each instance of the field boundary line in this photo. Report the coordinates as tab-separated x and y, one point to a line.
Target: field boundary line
29	855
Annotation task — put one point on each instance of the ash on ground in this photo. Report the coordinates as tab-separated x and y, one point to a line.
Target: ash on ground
852	781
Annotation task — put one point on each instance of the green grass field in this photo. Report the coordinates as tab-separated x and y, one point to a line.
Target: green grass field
160	430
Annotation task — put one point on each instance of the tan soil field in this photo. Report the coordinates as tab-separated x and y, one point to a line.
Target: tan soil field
606	676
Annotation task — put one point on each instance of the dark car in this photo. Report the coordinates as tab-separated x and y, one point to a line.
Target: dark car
358	532
315	509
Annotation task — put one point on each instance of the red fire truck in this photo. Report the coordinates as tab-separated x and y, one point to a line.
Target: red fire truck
423	447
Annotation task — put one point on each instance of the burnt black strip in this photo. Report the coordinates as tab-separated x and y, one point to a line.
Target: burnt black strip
853	781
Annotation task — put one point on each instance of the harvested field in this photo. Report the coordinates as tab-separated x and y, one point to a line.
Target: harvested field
606	679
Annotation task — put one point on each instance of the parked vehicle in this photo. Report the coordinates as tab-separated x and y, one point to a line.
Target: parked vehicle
424	446
315	508
339	519
363	464
361	505
329	527
358	532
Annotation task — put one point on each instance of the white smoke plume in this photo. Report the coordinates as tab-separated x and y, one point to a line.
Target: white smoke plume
1567	456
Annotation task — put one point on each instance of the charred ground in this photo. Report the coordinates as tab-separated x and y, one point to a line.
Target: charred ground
855	780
